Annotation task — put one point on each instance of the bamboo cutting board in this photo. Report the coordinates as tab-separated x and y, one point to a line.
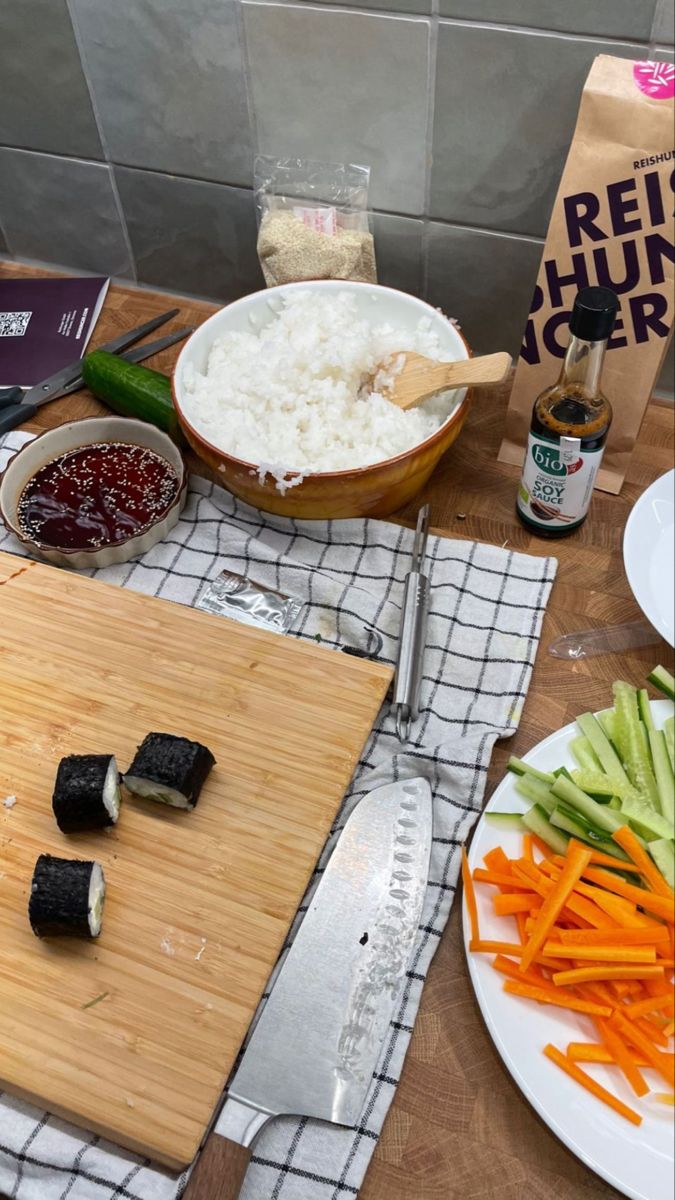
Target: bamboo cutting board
133	1035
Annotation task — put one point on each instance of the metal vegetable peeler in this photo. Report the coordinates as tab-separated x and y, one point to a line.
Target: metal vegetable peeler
408	678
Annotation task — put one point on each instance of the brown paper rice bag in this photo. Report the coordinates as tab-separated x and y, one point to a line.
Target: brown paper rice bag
612	224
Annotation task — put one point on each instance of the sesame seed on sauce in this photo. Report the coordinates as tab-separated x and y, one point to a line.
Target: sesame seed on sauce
97	495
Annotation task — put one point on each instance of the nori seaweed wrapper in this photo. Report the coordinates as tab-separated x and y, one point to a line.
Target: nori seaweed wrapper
78	793
172	762
59	897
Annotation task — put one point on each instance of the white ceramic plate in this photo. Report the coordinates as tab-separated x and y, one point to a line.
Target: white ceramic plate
649	554
636	1161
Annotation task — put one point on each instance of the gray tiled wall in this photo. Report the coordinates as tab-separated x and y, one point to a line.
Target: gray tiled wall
127	132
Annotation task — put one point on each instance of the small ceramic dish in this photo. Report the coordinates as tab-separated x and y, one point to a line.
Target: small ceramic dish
92	431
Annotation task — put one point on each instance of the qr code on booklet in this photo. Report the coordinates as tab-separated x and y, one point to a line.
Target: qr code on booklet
14	324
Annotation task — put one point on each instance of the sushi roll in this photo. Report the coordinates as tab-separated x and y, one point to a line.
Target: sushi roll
169	769
66	898
86	792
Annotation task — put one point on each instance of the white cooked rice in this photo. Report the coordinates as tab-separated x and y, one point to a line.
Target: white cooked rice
292	398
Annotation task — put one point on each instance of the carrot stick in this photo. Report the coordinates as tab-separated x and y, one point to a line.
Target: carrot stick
665	1097
600	971
669	1029
592	1052
591	1085
530	876
651	1031
660	905
652	1004
506	967
625	838
549	995
577	861
470	896
541	846
662	1062
600	859
640	936
600	953
622	1057
507	905
514	949
497	878
527	847
520	922
497	860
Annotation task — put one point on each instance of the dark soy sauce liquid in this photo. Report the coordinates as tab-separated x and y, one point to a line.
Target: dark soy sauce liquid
97	495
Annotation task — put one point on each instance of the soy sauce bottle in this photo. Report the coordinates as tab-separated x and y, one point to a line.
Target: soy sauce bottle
570	423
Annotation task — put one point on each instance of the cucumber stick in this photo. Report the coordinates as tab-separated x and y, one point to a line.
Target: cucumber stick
567	818
132	390
633	743
669	733
645	708
506	820
609	759
536	820
536	792
663	771
584	754
599	815
663	680
518	767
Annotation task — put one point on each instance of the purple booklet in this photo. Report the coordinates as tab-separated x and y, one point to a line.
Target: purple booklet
45	324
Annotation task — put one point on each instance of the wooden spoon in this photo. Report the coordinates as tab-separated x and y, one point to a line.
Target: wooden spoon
422	377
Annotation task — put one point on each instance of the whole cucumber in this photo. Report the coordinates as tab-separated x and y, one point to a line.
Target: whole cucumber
132	390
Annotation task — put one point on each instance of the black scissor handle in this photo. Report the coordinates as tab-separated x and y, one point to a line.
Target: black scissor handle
10	395
15	414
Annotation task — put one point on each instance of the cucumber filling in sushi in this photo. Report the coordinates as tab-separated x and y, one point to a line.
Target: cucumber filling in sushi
66	898
169	769
86	792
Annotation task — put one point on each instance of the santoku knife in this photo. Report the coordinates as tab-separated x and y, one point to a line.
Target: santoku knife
318	1039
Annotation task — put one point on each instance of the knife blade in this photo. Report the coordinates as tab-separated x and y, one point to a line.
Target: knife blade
317	1041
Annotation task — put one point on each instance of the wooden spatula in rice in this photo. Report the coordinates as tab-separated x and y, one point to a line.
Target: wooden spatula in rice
420	377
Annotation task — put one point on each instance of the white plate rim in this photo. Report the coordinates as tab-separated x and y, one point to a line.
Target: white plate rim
660	489
502	791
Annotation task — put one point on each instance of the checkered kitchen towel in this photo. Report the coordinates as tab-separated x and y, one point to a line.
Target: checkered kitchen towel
485	619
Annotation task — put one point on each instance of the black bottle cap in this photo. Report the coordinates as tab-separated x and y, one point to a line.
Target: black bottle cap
594	314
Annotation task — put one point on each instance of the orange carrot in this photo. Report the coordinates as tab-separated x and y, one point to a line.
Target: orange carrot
601	971
660	905
505	966
622	1056
651	1031
662	1062
591	1085
592	1052
600	953
514	949
549	995
497	860
527	847
669	1029
614	937
530	876
625	838
497	878
520	922
600	859
665	1097
541	846
470	896
577	861
652	1004
508	905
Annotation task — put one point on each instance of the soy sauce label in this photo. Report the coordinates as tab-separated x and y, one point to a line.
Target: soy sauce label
557	481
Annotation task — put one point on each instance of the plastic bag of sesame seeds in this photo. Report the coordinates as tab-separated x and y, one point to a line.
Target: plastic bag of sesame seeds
313	221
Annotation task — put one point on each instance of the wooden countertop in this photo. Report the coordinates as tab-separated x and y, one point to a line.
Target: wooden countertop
459	1127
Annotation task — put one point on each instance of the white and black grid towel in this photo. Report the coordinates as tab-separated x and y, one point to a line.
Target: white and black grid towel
485	619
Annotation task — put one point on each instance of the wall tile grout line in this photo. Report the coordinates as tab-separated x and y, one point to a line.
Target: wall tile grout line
429	156
101	133
502	27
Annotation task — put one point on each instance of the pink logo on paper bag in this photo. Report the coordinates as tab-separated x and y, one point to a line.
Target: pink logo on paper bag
656	79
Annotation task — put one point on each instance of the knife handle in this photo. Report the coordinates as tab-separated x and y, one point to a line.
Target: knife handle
15	414
220	1170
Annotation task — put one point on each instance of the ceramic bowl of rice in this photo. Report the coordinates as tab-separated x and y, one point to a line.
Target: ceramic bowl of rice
283	395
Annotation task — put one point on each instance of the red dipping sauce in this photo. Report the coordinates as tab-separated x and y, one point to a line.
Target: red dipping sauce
97	495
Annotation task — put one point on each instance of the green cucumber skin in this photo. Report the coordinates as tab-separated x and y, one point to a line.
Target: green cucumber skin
662	679
132	390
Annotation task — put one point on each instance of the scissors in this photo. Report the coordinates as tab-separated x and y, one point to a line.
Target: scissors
17	405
